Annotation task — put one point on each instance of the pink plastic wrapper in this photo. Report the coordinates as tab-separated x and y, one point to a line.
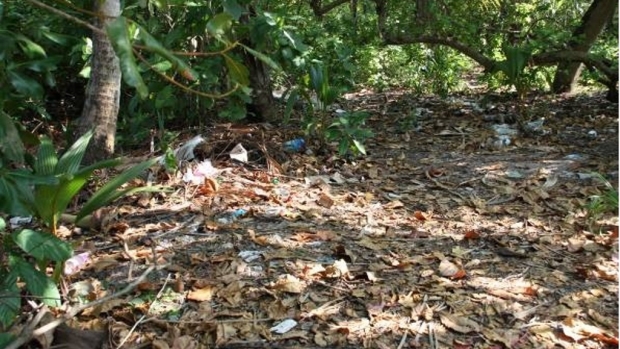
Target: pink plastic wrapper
76	263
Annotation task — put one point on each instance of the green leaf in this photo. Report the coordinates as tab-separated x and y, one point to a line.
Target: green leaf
37	283
46	159
109	192
40	65
69	162
5	339
43	246
343	146
24	84
118	32
360	147
233	8
10	300
2	224
11	145
292	98
238	72
262	57
219	25
29	47
156	47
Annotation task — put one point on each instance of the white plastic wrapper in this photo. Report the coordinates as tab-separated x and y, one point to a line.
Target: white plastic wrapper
284	326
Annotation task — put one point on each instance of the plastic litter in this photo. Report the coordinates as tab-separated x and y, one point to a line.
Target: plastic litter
295	145
284	326
231	217
202	170
239	153
186	151
76	263
17	222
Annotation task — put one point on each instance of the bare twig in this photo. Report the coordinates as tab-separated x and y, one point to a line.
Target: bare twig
141	320
28	333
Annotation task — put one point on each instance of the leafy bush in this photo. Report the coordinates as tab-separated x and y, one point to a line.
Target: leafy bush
42	186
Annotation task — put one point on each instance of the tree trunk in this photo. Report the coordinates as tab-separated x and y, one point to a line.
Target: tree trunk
594	20
102	98
263	105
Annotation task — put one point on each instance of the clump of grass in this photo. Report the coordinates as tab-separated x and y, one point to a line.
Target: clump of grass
604	203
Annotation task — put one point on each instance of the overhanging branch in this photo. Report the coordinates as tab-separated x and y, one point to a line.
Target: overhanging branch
320	10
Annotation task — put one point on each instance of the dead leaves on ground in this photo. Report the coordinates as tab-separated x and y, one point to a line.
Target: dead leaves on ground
417	245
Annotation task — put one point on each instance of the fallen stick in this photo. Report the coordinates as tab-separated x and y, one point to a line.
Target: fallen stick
28	333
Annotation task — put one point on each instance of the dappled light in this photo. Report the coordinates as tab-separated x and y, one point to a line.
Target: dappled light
302	175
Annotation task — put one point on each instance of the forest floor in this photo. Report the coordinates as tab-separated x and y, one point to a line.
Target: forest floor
442	237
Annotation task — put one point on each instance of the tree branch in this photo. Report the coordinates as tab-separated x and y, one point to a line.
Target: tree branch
319	10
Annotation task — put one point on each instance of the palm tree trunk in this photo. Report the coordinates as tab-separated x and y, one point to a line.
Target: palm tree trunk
102	100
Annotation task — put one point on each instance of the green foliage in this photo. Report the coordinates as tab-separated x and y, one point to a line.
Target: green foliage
604	203
20	247
347	130
45	189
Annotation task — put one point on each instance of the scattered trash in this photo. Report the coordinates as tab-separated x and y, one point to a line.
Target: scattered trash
284	326
574	157
17	222
592	134
202	171
295	145
231	217
504	130
239	153
282	194
335	178
250	256
514	174
586	175
535	126
502	141
186	151
76	263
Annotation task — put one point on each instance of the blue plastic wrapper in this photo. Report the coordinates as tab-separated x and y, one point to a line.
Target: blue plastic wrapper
295	145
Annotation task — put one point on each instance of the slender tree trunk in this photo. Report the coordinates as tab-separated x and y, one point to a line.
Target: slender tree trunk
263	105
594	20
102	100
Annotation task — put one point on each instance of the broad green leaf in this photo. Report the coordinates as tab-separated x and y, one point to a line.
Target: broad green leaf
360	147
154	46
29	47
264	58
46	159
40	65
11	145
2	224
37	283
118	32
5	339
43	245
24	84
237	71
66	192
292	98
343	146
233	8
69	162
109	192
219	25
10	300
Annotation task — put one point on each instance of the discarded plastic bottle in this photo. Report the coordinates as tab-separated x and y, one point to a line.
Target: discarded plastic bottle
295	145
